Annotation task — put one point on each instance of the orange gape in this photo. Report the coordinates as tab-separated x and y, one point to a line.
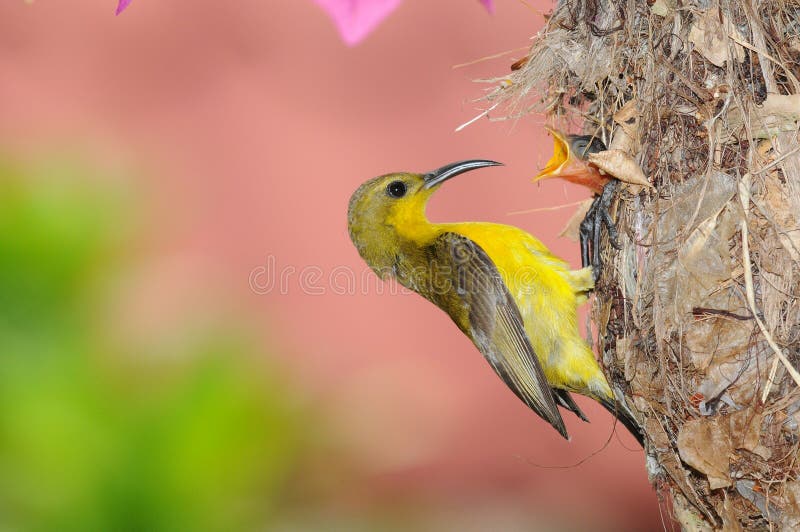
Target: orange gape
569	161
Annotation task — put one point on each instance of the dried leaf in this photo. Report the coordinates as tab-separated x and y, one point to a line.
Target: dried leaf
701	258
628	117
626	137
728	378
715	231
624	351
669	461
620	165
717	338
662	8
572	229
694	203
710	37
707	447
788	229
779	112
640	374
624	142
745	428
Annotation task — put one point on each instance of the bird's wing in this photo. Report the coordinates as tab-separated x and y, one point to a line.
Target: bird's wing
563	398
482	304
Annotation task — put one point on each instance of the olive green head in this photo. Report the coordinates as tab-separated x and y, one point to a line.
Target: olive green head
384	207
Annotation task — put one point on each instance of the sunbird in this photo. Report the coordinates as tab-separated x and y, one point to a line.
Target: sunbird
501	286
569	162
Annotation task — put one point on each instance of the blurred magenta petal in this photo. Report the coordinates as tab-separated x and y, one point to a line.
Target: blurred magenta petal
488	4
356	18
122	5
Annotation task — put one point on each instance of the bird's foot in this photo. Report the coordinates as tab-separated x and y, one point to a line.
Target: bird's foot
597	217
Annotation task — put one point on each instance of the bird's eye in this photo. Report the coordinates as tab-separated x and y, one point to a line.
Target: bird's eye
396	189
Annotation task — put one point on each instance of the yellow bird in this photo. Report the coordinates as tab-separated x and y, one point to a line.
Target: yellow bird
502	287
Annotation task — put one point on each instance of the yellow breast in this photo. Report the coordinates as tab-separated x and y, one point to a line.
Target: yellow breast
546	293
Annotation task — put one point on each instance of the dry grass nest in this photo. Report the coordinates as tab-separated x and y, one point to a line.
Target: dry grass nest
698	315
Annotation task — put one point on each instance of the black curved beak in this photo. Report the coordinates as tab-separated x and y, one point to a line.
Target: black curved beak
440	175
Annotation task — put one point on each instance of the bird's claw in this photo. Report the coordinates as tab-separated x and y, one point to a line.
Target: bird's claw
597	217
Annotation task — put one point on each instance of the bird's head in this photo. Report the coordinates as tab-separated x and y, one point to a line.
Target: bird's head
570	160
385	209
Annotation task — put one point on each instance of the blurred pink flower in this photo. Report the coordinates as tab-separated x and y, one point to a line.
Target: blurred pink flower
123	4
355	19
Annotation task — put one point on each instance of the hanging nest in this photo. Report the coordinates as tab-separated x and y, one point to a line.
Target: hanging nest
698	315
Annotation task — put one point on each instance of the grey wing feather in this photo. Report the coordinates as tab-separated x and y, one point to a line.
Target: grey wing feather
496	324
564	399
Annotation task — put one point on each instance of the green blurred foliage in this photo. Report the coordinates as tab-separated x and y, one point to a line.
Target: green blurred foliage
93	436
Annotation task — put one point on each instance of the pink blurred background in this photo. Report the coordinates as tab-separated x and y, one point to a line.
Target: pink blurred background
245	126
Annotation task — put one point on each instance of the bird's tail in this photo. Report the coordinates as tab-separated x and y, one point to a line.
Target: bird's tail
620	412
